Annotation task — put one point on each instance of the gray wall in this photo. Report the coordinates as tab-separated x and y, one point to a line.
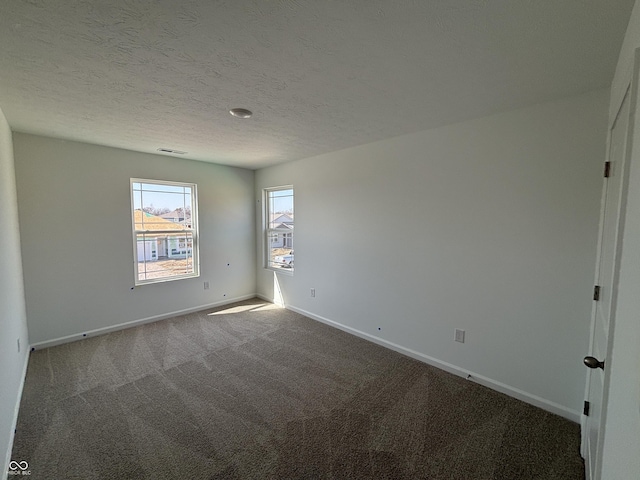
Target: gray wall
489	225
77	247
13	319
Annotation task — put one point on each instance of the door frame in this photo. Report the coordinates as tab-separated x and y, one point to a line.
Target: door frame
631	89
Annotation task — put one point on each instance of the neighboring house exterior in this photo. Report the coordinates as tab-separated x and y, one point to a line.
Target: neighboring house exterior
178	216
161	245
282	240
281	218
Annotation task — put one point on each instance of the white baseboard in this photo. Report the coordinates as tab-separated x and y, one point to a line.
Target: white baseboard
133	323
16	410
529	398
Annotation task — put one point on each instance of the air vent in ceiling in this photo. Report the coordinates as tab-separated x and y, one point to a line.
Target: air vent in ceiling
169	150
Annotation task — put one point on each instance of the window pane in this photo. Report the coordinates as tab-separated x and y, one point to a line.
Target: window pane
280	208
281	250
164	256
159	209
280	227
167	201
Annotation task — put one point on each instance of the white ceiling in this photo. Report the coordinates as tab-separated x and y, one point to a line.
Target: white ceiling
320	75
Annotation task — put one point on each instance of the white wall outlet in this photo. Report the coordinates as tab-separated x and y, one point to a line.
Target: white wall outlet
459	335
313	293
206	285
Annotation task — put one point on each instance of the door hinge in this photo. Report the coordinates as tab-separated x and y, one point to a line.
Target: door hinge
596	293
585	409
607	169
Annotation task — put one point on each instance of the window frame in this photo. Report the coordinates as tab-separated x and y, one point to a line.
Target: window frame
191	230
278	232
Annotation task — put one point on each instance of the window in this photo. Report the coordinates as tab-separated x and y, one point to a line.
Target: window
165	230
279	228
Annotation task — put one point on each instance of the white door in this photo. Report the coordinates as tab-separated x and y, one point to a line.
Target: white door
162	247
607	270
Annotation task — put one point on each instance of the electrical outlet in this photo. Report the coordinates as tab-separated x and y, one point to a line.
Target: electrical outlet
206	285
313	292
459	335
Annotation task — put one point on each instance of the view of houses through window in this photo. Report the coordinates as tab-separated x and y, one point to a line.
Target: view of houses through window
279	227
164	230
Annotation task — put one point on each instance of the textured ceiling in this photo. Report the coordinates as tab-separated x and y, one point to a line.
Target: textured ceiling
320	75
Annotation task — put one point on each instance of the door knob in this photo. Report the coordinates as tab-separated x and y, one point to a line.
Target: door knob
593	362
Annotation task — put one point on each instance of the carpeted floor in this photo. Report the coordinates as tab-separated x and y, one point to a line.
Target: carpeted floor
252	391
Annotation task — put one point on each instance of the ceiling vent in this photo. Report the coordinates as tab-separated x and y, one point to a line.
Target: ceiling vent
169	150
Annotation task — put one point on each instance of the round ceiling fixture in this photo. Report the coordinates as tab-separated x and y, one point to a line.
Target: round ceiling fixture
241	112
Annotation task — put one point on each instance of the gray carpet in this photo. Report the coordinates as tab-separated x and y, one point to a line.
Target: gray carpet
251	391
